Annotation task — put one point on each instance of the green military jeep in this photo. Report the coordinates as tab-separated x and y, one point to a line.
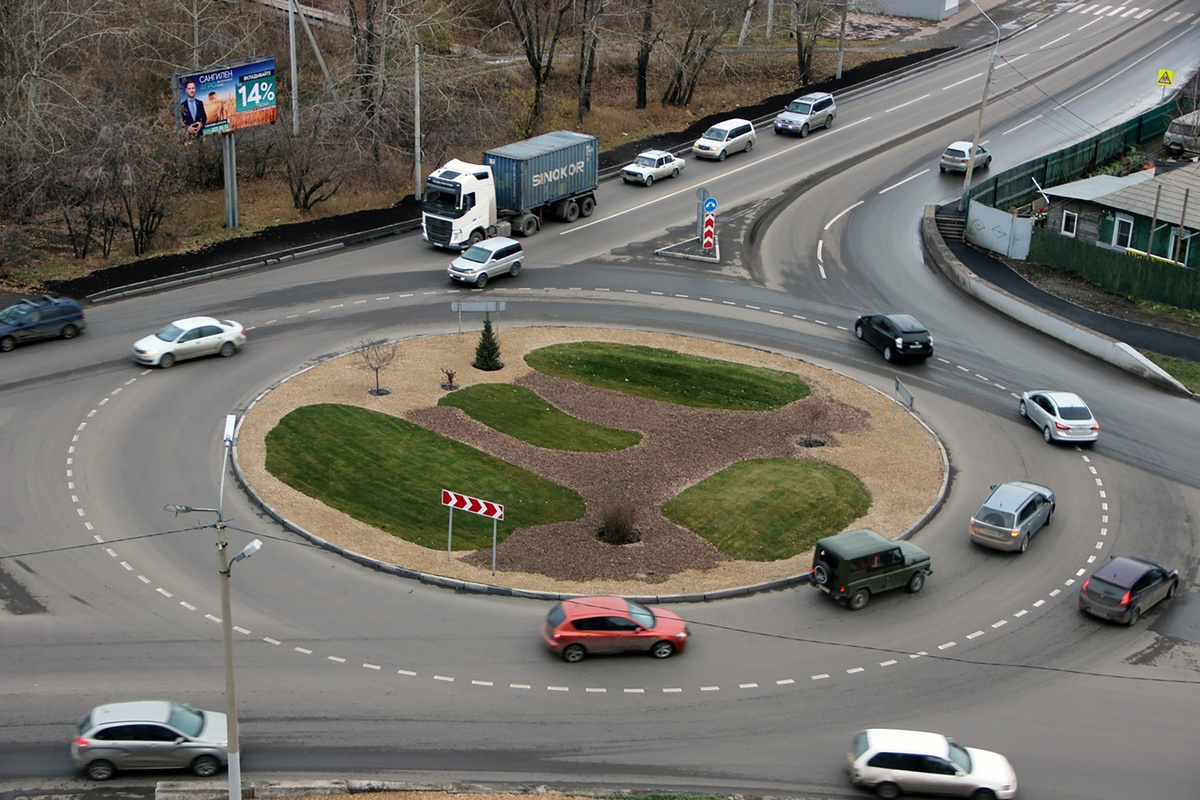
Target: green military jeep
854	565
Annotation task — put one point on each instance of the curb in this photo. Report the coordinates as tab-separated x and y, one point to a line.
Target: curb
1117	353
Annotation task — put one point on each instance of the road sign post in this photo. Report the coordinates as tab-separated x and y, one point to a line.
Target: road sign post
472	505
708	232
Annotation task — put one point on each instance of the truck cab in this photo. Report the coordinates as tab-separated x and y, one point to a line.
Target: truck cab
459	205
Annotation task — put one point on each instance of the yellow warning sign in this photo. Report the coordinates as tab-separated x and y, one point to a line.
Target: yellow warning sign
1166	77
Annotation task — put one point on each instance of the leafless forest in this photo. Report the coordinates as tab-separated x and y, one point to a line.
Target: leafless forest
94	161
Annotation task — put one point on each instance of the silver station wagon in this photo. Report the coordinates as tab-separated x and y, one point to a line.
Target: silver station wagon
1011	515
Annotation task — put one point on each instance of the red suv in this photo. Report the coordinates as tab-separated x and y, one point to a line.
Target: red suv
574	628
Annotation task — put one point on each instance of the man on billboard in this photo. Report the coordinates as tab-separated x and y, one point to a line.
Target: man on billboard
192	107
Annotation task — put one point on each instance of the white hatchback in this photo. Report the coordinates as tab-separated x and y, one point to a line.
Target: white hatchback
895	761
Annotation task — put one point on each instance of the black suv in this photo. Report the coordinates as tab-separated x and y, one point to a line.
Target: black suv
42	317
854	565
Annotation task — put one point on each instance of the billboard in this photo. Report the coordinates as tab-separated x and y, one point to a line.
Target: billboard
224	99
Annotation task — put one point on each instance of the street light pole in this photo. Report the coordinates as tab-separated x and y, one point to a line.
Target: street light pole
224	565
987	86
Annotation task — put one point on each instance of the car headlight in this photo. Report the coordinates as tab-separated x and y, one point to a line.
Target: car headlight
899	342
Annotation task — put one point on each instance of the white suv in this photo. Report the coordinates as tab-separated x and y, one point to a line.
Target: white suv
730	136
807	112
893	762
487	259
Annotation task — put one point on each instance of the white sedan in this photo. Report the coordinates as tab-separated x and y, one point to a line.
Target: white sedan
190	338
652	165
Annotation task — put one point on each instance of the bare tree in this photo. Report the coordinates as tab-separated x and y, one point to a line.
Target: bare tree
646	40
313	165
808	18
145	166
702	25
540	24
377	356
592	12
813	413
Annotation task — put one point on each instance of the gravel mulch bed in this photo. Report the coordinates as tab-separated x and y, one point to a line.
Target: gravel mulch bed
901	465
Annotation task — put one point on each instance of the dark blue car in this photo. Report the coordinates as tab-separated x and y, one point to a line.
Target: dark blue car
42	317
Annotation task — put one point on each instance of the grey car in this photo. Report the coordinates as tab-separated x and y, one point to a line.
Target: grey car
1011	515
807	112
958	154
1127	587
1061	416
498	255
150	734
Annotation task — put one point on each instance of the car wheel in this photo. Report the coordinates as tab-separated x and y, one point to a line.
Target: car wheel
821	574
1049	437
721	156
1134	616
859	600
228	349
100	770
586	206
649	180
828	122
888	353
983	794
515	269
941	168
1022	410
7	344
481	281
675	173
988	162
1171	589
69	332
572	211
888	791
475	238
205	766
917	582
662	650
573	653
858	331
749	146
804	130
167	361
1024	543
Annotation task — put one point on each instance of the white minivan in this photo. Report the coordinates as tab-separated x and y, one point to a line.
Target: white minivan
730	136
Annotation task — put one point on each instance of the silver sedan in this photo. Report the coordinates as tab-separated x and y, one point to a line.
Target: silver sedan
1061	416
190	338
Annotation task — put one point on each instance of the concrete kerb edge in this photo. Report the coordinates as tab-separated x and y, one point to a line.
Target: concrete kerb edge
492	589
1117	353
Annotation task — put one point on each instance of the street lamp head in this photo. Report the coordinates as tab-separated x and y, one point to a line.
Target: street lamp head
176	509
230	427
247	551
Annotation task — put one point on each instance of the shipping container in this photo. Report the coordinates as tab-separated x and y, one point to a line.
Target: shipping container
543	170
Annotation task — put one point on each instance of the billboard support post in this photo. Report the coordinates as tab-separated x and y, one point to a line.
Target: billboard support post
229	151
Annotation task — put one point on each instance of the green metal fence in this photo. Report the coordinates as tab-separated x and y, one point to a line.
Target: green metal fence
1113	269
1015	187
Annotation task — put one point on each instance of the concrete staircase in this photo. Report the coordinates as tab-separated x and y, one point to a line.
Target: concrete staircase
950	226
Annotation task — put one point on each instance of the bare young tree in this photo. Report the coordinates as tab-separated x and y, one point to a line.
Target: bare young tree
540	25
314	167
377	356
808	18
702	25
646	40
145	176
591	13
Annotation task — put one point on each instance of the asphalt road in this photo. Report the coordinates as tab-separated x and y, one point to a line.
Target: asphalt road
345	671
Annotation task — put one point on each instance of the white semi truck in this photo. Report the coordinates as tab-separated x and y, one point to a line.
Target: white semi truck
515	188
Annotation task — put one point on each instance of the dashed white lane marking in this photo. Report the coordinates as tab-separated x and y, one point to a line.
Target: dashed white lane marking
1020	613
855	670
947	645
820	677
673	690
888	663
143	579
337	659
635	691
187	605
164	592
1000	623
481	683
371	666
519	686
747	685
445	678
303	650
269	640
557	689
407	672
710	688
785	681
975	635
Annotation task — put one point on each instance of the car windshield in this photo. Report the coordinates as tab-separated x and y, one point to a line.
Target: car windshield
716	134
477	254
641	615
186	719
644	161
11	314
796	107
960	756
1074	412
170	333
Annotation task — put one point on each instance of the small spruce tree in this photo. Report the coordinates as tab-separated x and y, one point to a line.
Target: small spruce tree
487	352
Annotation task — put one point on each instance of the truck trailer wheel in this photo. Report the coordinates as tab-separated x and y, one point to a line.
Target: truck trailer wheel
586	206
528	225
571	212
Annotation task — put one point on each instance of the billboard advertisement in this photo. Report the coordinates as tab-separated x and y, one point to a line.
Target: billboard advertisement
224	99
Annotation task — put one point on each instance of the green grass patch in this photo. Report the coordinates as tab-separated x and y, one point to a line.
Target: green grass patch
389	474
669	376
770	509
523	415
1186	372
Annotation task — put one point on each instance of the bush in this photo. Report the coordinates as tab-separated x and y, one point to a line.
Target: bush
619	525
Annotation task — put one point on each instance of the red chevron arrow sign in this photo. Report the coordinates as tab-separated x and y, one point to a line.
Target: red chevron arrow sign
472	505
